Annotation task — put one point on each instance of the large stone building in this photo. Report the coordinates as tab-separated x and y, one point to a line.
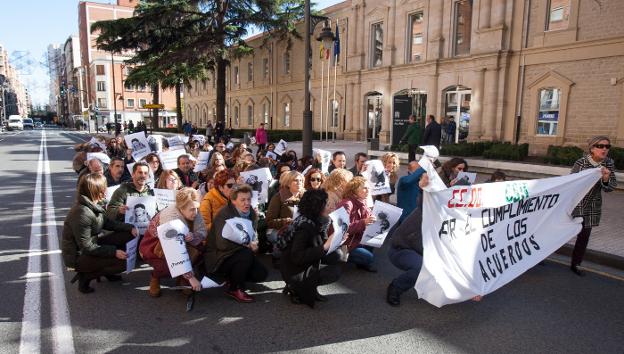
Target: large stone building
541	72
14	97
105	88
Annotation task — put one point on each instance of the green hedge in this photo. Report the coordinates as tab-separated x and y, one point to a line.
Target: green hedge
466	149
507	151
567	155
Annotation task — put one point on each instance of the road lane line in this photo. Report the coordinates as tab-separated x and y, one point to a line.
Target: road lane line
30	338
62	336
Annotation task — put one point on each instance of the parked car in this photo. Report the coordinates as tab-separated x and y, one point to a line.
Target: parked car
27	123
15	123
38	125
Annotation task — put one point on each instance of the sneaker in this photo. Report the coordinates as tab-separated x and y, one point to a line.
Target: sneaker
240	296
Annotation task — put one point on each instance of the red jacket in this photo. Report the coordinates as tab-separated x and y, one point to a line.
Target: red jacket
261	136
358	212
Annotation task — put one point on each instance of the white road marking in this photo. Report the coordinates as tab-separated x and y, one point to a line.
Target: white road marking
30	340
62	336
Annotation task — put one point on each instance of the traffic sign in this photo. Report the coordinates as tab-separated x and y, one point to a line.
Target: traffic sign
154	106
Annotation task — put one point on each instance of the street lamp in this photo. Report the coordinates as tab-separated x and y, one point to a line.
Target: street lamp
326	35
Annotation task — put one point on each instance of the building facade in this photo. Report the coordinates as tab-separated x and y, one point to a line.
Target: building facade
14	97
540	72
105	73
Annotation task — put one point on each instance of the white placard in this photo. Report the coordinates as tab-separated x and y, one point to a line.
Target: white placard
239	230
207	283
324	157
98	143
165	197
169	159
110	191
271	155
171	236
229	146
131	254
202	161
387	215
200	139
175	143
255	199
155	142
259	180
140	212
378	179
281	147
98	155
468	177
139	145
340	221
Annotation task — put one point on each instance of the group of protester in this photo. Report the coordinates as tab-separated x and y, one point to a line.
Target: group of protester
293	227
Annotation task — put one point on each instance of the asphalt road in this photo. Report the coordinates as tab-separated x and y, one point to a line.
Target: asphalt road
548	309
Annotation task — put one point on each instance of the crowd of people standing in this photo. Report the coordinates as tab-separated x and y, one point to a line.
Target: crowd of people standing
293	227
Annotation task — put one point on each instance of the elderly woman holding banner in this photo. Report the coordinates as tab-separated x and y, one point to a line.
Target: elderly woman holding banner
590	208
186	210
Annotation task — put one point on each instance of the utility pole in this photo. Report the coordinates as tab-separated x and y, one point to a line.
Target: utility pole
117	126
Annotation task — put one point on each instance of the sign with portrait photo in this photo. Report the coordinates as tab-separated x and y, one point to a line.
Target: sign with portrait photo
175	143
324	157
239	230
387	215
259	180
139	145
281	147
378	179
340	222
140	211
202	161
171	237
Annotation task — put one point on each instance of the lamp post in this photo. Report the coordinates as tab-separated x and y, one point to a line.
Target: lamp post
310	23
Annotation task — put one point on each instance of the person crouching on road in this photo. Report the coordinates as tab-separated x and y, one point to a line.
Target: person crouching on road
185	210
230	261
304	247
83	248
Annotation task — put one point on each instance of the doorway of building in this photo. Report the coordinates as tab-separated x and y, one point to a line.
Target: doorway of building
374	114
405	103
457	105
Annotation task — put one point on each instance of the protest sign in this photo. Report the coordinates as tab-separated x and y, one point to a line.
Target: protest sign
164	197
110	191
387	215
340	222
155	142
199	139
239	230
255	199
378	179
259	180
175	143
140	211
478	238
271	155
281	147
324	157
131	253
98	143
139	145
464	178
202	161
171	236
98	155
169	159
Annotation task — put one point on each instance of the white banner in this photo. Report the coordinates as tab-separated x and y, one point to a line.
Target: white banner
171	236
387	215
259	180
378	179
140	212
478	238
139	145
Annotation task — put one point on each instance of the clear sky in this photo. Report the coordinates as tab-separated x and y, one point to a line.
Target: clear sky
27	27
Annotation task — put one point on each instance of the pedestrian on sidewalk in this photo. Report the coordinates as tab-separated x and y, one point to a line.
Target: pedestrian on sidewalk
433	132
450	130
590	208
209	129
261	137
412	137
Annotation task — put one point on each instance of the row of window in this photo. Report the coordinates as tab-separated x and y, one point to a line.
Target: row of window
103	102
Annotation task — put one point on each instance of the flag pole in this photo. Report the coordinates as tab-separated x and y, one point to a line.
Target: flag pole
334	101
321	101
327	98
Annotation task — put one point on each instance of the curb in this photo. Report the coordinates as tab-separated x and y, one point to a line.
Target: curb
598	257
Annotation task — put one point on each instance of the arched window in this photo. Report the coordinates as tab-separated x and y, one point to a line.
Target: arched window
250	119
286	120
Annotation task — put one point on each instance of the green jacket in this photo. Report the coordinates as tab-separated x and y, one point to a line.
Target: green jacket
121	195
412	135
83	224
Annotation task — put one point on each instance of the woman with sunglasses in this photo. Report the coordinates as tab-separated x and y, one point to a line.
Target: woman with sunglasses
218	196
590	208
314	179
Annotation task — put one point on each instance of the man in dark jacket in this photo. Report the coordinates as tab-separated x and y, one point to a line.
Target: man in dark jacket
360	164
185	172
115	173
339	160
433	132
116	208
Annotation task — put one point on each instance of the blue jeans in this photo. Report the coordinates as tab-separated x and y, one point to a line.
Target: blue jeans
409	261
361	256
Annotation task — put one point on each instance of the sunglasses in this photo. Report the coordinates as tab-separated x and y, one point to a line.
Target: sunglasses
315	179
602	146
229	185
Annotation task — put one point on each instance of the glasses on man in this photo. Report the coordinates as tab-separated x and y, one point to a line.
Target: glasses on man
602	146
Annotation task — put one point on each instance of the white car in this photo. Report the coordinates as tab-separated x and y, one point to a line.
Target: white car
16	124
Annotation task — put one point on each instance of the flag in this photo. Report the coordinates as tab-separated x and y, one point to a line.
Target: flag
337	46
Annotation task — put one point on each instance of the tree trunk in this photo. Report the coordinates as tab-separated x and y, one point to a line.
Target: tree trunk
155	100
221	64
178	91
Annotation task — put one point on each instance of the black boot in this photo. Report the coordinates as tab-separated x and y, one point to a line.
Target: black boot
83	283
113	277
393	296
